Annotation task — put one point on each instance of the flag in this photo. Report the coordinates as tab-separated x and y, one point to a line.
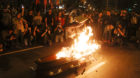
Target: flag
57	2
37	2
45	3
50	2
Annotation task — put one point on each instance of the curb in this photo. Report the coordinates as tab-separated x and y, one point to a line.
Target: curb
19	51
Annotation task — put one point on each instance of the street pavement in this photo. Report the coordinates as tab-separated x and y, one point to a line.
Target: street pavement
118	63
19	64
114	62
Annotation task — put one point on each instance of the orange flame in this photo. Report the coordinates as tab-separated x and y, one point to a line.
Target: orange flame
82	46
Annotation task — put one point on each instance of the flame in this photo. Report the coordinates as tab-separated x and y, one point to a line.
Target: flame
83	46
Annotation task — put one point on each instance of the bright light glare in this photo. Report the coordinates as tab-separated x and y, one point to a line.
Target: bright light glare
83	46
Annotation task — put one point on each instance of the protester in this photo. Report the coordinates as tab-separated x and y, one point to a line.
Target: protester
28	29
37	20
59	31
50	20
29	18
46	34
119	35
19	29
28	37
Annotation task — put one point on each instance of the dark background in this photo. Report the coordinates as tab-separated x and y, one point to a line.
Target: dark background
99	4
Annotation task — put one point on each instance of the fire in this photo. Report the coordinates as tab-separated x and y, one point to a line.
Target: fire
83	46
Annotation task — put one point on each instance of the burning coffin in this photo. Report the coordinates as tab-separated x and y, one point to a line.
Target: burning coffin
69	60
50	67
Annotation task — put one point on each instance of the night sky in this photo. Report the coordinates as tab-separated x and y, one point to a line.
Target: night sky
119	4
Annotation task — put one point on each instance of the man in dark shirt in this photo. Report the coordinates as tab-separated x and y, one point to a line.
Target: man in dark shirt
50	20
29	18
46	35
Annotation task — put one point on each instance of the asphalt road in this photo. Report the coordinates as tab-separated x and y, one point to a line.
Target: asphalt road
118	63
114	62
18	64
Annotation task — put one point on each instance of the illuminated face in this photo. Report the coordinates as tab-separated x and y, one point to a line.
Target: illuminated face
38	13
10	31
31	12
45	19
120	26
26	25
108	13
60	13
50	11
100	15
19	15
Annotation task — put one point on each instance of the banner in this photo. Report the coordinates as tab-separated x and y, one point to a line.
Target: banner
45	3
37	2
57	2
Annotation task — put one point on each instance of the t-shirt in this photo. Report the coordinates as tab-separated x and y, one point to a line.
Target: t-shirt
37	20
29	19
59	30
49	19
19	24
134	20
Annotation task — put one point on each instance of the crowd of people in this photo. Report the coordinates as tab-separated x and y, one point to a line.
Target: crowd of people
19	29
116	27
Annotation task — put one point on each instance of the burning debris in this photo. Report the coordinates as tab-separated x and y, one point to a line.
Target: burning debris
70	60
83	46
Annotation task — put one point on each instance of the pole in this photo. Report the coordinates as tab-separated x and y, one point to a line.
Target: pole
107	4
